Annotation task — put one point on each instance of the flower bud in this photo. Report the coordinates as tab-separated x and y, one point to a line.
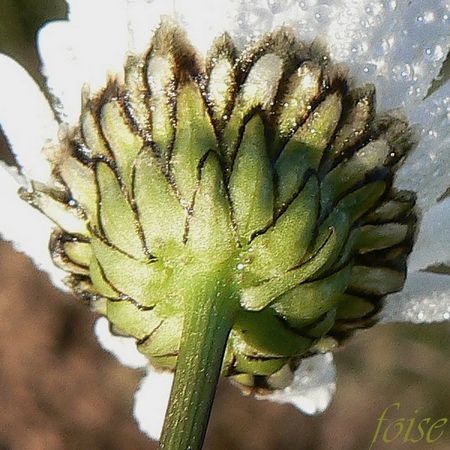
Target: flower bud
261	171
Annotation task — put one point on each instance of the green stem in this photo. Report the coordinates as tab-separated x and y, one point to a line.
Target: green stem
207	324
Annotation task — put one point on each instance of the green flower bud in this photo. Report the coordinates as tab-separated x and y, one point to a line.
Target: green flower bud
261	172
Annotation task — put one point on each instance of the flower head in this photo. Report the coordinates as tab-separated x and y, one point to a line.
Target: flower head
263	170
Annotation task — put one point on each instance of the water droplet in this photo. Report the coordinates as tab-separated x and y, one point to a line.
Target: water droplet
240	266
277	6
435	54
254	21
403	72
370	69
322	14
428	17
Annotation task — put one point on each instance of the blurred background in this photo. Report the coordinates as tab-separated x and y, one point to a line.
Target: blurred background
60	391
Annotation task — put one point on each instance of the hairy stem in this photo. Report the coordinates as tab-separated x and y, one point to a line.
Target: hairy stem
207	324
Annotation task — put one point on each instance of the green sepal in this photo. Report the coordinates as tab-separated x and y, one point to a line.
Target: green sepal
348	173
263	334
291	167
304	150
194	138
79	252
303	89
309	301
132	320
376	280
144	284
257	92
160	78
92	135
164	340
161	214
101	285
357	203
252	200
80	180
390	210
221	76
211	236
318	130
285	243
220	84
60	257
352	307
323	326
123	141
256	298
68	218
137	95
117	218
257	366
356	122
377	237
164	362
